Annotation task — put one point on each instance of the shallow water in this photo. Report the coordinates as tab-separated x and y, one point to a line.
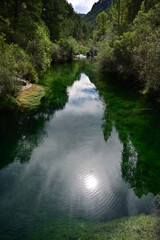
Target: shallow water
77	163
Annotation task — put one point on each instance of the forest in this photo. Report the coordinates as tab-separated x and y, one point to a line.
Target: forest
128	42
121	35
33	35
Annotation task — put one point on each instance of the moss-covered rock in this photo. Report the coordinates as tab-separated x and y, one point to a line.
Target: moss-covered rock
31	98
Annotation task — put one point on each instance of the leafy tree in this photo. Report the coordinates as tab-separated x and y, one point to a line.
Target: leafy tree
133	48
7	70
39	49
101	27
54	13
146	55
119	16
15	63
62	21
122	52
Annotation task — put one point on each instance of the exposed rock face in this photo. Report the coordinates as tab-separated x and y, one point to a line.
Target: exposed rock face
20	81
22	84
100	6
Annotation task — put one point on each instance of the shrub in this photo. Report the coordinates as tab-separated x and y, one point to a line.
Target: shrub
23	67
123	52
105	58
146	55
65	51
7	69
72	42
92	48
14	62
55	49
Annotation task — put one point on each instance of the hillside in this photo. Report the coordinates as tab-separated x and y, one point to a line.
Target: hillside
101	5
82	15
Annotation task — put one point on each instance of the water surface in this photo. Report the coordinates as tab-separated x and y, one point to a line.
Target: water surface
77	163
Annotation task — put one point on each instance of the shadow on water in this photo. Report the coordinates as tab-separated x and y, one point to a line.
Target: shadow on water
88	156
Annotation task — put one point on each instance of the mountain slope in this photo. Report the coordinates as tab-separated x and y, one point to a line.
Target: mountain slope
101	5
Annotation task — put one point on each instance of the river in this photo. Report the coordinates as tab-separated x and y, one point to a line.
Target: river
88	156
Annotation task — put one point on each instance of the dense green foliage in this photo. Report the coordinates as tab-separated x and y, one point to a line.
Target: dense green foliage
62	21
13	63
101	21
32	35
131	42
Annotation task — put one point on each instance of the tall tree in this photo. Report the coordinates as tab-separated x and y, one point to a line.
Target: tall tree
101	26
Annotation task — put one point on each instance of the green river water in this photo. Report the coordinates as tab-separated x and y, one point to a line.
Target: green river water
85	164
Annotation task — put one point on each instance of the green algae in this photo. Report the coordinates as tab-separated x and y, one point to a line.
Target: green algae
31	98
130	228
141	227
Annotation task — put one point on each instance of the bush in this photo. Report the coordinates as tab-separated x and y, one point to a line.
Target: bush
83	49
23	67
123	52
72	42
92	48
7	69
14	62
105	60
146	55
63	51
55	49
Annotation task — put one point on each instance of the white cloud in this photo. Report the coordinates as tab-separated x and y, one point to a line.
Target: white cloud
82	6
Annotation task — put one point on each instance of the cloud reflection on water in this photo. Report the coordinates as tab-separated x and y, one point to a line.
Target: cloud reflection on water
73	171
83	98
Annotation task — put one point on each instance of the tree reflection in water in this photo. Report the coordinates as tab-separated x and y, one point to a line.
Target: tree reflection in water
138	126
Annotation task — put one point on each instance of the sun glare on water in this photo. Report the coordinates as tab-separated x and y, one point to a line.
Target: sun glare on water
91	182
